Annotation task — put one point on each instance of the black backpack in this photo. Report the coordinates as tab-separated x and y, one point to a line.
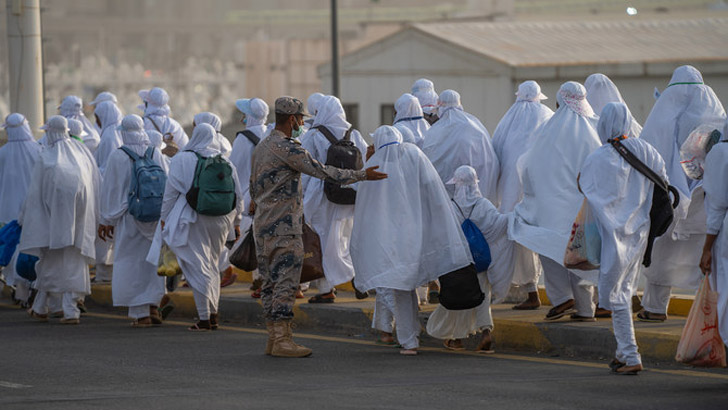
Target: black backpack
250	135
341	154
661	213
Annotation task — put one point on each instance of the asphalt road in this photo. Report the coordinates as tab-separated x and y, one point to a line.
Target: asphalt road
105	364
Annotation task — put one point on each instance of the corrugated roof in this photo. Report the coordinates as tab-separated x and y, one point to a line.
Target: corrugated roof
589	42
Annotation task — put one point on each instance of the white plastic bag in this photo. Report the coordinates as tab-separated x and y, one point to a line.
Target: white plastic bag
700	344
584	249
696	147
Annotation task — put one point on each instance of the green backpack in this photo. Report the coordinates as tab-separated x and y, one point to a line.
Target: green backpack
213	189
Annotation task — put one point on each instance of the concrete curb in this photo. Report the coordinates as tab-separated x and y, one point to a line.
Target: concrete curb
514	330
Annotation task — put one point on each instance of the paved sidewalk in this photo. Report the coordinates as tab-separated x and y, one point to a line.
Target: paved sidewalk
514	330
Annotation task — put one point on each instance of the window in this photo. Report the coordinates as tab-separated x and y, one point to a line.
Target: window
386	114
352	114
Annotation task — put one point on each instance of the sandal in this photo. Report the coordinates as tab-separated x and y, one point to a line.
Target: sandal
141	323
560	311
323	298
602	313
154	315
409	352
450	344
576	318
37	316
649	317
213	321
165	310
201	326
616	364
486	345
628	370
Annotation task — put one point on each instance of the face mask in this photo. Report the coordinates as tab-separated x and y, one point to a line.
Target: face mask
296	132
245	121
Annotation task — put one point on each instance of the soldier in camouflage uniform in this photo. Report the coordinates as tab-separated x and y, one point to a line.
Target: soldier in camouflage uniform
275	191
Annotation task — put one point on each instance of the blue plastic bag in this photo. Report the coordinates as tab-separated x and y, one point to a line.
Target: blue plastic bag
9	238
25	266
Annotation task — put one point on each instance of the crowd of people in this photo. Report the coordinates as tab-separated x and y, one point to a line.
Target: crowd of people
117	193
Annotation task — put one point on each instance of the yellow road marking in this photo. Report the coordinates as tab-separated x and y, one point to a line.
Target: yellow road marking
593	365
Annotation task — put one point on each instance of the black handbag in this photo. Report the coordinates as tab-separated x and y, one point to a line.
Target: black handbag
661	213
460	289
245	257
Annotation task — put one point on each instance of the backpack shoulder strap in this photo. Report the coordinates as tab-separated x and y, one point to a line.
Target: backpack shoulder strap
347	134
250	135
459	209
327	133
130	153
149	153
154	123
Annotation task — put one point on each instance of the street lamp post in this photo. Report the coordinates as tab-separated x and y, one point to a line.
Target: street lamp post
334	50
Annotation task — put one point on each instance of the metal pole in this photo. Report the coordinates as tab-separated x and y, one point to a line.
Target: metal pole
25	60
334	50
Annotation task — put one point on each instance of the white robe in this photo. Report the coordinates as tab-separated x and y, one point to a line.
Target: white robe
405	233
620	198
332	222
135	281
196	240
495	282
240	157
59	217
542	221
716	205
459	138
166	125
678	111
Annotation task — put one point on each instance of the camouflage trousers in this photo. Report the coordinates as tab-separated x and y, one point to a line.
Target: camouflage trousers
280	259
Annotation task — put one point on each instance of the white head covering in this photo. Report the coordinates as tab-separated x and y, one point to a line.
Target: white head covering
424	90
684	105
331	115
56	129
513	137
109	114
407	135
551	199
466	186
75	128
573	95
615	121
410	116
104	96
17	128
157	101
155	139
313	102
600	90
72	108
132	130
383	251
221	143
17	158
459	138
530	91
255	110
202	141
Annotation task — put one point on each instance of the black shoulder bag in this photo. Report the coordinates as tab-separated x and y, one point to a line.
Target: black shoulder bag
661	213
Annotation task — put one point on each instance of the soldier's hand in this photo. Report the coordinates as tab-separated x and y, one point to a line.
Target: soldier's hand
370	151
373	175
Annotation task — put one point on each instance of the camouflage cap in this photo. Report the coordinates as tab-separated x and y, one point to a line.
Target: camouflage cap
290	105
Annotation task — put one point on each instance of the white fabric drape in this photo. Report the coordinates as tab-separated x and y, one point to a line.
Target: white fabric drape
424	90
716	204
60	212
135	281
157	112
405	233
110	117
332	222
72	108
459	138
542	221
221	143
17	158
600	90
410	116
620	198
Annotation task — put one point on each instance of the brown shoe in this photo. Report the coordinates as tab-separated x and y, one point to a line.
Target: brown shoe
283	344
628	370
560	311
